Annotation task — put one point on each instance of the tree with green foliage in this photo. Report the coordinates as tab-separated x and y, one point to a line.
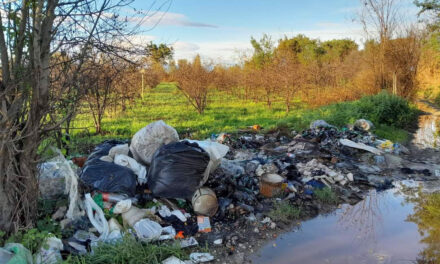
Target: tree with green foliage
263	51
161	53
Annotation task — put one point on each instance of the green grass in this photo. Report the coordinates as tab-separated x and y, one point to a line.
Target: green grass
129	250
326	195
227	113
284	212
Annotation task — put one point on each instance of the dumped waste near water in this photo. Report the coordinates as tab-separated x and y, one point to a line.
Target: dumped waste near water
223	192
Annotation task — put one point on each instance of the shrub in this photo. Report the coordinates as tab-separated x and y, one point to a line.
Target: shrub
387	109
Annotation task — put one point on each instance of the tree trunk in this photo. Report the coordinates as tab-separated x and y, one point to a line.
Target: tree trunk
19	185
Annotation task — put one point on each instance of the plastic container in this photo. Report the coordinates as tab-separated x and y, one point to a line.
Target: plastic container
271	185
204	202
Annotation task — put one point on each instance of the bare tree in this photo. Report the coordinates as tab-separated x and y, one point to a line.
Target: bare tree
194	80
31	32
380	19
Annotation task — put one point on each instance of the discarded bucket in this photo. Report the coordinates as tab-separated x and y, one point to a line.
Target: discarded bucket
271	185
204	202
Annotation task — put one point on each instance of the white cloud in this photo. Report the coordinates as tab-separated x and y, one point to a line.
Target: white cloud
160	18
229	52
219	52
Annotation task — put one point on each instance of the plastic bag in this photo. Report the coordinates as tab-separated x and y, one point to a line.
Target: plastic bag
177	170
58	176
106	176
216	152
116	150
21	255
98	219
150	138
50	252
138	169
148	230
135	214
363	125
53	175
122	206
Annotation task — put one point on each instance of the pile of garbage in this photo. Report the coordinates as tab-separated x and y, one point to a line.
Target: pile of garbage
161	188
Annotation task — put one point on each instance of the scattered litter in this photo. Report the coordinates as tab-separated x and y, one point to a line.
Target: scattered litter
319	124
188	242
134	215
168	233
271	185
147	230
172	260
20	254
352	144
122	206
205	202
204	224
364	125
97	219
49	252
201	257
227	183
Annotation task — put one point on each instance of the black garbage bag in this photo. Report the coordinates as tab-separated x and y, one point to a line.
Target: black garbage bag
177	169
106	176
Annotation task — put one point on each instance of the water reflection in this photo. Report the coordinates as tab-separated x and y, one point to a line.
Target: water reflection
427	135
372	231
427	217
362	218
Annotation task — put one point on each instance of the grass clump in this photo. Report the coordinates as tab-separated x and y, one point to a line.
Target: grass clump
284	212
326	195
129	250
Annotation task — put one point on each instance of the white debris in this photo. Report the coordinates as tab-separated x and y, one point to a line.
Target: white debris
201	257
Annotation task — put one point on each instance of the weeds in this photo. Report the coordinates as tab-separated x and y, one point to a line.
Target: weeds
129	250
326	195
284	212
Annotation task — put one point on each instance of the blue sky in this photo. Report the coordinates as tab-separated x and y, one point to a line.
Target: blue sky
220	30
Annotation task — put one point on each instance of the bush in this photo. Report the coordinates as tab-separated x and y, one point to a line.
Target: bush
387	109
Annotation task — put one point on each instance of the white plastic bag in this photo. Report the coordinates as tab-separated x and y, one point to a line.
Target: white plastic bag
122	206
150	138
135	214
138	169
57	176
216	152
148	230
98	220
116	150
50	251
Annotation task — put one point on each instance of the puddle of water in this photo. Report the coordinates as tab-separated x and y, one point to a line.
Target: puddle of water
375	230
427	136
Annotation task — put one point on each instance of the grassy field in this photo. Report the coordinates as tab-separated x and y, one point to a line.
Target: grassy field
225	113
